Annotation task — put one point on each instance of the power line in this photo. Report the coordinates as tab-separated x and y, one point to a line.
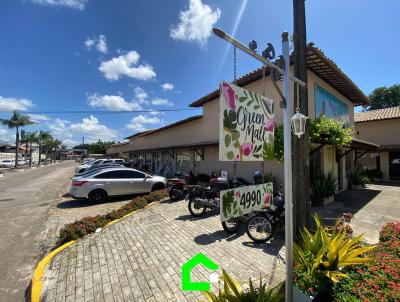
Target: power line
100	112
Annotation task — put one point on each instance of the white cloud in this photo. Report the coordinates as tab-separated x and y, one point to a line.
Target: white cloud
6	136
195	23
161	102
167	86
14	104
77	4
100	43
89	127
126	64
39	117
112	102
138	123
141	96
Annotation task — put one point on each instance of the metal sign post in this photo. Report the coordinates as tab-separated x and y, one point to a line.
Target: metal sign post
287	112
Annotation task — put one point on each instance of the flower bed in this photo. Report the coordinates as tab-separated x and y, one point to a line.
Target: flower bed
378	280
88	225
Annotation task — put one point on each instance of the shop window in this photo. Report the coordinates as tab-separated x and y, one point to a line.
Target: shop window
183	161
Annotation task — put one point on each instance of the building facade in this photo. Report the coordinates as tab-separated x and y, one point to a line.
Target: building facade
192	144
381	127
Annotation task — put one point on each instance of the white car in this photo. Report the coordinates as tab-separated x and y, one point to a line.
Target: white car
99	185
98	162
7	163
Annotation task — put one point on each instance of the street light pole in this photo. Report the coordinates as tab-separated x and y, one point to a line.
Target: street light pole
287	160
287	143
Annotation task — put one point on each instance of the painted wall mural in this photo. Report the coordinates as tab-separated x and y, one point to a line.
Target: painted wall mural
243	200
329	105
246	125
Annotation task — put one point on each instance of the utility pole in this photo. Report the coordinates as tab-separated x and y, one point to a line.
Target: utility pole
301	163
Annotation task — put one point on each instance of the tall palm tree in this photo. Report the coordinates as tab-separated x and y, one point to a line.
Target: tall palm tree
17	121
30	138
43	136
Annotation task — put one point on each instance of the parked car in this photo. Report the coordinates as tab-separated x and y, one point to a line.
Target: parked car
7	163
92	169
100	162
100	185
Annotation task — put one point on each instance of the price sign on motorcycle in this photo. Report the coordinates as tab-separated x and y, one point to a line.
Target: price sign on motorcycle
246	131
243	200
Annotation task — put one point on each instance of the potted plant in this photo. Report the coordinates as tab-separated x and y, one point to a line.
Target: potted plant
321	256
323	188
358	178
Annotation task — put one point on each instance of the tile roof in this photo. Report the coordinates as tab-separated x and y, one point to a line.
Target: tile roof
377	115
318	63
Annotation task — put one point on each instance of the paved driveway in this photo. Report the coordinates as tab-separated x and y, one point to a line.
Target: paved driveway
372	208
140	258
25	198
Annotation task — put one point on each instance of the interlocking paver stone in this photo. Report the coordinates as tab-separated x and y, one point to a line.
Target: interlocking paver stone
140	258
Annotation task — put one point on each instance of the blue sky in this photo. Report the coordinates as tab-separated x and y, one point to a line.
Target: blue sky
120	55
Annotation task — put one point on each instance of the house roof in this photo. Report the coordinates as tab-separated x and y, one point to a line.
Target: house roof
377	115
318	63
178	123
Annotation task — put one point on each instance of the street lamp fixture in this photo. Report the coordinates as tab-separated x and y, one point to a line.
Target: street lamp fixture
299	124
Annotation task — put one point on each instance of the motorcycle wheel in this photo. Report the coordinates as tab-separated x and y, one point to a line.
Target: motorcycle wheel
259	228
175	195
196	210
231	226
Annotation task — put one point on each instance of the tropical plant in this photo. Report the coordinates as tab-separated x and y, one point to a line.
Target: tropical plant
269	177
320	258
17	121
278	143
30	138
322	186
43	136
328	131
384	97
233	292
358	176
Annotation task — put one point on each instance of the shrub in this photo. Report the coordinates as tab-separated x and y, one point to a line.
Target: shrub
269	177
359	176
323	186
320	258
390	232
232	291
88	225
377	280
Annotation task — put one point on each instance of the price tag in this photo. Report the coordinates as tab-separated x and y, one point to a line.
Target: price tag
243	200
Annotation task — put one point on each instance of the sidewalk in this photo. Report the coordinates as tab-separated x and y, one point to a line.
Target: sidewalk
140	258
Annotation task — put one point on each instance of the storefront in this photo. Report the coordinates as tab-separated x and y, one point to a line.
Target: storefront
192	144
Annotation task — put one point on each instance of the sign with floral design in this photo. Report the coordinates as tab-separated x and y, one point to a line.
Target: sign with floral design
246	125
243	200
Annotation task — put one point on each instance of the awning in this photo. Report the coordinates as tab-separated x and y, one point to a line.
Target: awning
363	145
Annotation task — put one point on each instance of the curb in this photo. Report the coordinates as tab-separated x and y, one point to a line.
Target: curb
37	283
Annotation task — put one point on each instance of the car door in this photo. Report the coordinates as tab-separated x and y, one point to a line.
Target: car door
113	182
137	182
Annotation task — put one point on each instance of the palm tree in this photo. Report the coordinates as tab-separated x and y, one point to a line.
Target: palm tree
17	121
30	138
43	136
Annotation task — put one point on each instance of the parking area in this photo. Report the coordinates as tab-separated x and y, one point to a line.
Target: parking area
372	208
140	258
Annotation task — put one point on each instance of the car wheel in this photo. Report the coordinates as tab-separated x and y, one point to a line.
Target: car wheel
158	186
98	196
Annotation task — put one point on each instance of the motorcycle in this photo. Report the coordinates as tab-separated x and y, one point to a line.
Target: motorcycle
201	199
178	188
263	224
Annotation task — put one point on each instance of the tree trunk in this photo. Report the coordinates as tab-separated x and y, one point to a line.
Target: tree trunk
16	148
30	154
301	175
40	153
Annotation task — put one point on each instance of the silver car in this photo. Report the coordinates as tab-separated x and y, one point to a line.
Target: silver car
99	185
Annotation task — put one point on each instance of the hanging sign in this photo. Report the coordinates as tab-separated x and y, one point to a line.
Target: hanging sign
246	125
243	200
